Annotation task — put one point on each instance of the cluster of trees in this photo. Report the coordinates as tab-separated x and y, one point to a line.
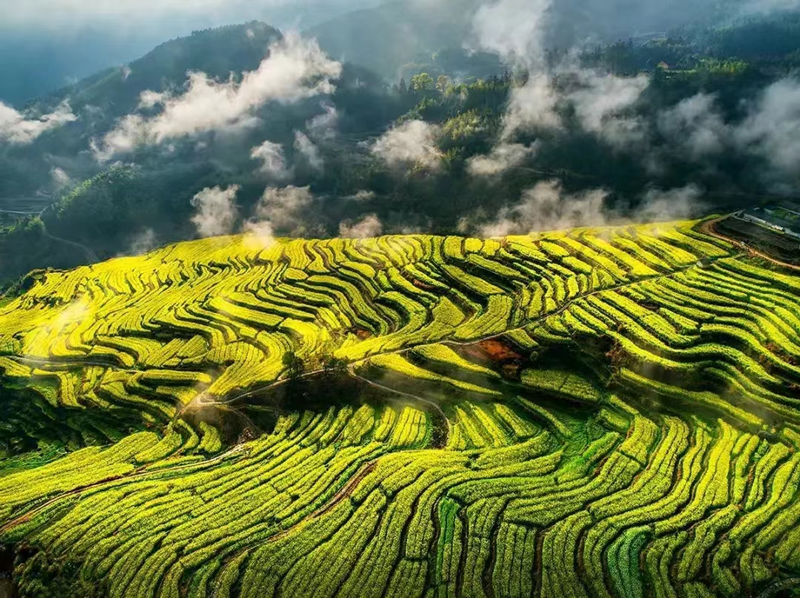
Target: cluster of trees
755	43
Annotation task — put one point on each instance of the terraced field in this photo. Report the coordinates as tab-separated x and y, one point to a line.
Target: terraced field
597	412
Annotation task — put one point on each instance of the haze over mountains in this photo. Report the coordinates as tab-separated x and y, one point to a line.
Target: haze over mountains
424	115
48	44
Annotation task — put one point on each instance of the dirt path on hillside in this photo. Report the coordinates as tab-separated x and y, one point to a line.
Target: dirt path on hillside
119	479
90	255
710	229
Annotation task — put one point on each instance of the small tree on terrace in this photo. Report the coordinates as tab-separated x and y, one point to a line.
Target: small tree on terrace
295	368
422	82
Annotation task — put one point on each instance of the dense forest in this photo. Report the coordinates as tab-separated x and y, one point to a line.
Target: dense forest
432	152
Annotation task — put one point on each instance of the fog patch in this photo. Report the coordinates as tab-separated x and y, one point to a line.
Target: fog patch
294	69
513	29
503	157
309	152
143	242
362	195
280	209
215	211
695	127
411	144
273	160
532	107
60	178
601	103
258	234
369	226
547	206
772	129
17	128
325	126
674	204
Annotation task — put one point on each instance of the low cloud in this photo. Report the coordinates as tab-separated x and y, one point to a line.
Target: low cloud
362	195
122	139
513	29
60	178
310	152
281	209
17	128
258	234
149	99
411	144
772	128
369	226
674	204
517	30
695	127
325	126
532	107
294	69
215	211
143	242
502	158
273	160
547	206
602	103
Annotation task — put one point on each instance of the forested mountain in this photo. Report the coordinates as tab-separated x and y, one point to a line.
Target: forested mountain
55	50
395	38
446	150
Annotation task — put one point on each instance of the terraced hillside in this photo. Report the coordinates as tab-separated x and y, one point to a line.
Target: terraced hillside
598	412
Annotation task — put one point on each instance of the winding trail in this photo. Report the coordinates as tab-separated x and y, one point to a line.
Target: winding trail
436	406
90	255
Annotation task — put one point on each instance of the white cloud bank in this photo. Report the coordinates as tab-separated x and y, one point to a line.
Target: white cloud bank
308	150
769	130
412	143
280	209
369	226
324	127
772	128
273	160
695	127
547	207
18	129
503	157
531	107
295	69
514	29
215	211
60	178
601	103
